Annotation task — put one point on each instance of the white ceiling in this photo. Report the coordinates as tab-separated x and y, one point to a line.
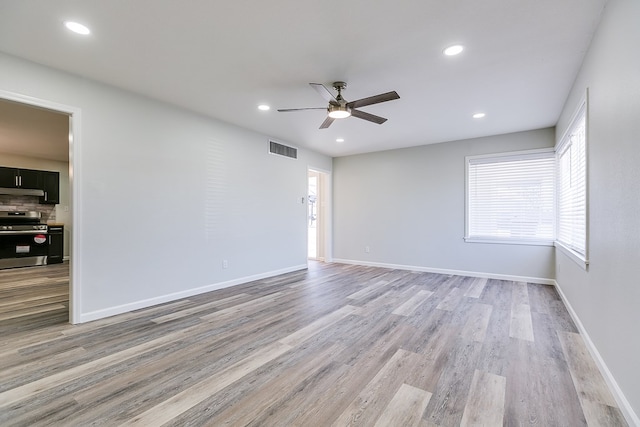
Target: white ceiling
222	59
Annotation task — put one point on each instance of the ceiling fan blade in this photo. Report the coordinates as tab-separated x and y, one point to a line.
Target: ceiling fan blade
327	122
376	99
369	117
286	110
324	92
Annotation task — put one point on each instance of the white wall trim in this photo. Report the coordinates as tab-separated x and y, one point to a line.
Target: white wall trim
540	280
125	308
574	256
75	115
626	409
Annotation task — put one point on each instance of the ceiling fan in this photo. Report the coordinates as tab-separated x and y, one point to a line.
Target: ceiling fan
339	108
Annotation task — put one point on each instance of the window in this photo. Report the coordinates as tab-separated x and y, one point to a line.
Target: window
572	184
510	197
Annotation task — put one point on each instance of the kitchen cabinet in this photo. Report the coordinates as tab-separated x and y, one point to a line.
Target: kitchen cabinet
7	177
20	178
27	179
56	244
51	187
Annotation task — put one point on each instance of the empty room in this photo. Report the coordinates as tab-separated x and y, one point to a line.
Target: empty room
410	213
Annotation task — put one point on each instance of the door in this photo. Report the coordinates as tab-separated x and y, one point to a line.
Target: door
317	218
30	179
51	187
312	217
23	246
56	244
8	177
20	178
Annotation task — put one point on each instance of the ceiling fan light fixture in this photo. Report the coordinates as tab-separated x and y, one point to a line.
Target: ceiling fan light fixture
339	112
339	108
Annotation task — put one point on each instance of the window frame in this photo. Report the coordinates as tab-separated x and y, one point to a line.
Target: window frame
561	146
550	151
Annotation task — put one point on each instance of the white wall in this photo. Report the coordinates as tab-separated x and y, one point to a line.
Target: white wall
63	214
166	195
407	205
606	298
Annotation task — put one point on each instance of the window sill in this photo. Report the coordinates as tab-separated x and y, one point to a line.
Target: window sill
509	241
573	255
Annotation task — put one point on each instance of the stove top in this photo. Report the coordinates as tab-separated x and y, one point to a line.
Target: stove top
21	222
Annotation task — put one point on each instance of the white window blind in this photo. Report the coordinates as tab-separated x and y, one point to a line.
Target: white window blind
571	182
511	197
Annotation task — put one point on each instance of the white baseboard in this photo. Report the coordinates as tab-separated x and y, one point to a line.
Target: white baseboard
540	280
125	308
623	403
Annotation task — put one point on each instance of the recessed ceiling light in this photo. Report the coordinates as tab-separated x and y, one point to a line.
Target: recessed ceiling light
77	28
339	139
264	107
453	50
479	115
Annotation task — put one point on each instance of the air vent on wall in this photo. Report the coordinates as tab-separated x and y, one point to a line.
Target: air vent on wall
283	150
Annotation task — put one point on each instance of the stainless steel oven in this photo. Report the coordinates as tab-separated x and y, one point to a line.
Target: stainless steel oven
23	239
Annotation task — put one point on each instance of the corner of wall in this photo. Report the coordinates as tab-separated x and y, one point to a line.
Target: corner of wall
628	412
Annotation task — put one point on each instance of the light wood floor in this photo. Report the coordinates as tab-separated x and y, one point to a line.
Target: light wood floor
334	345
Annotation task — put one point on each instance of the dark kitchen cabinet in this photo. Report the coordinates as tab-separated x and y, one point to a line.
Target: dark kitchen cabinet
8	177
56	244
20	178
30	179
51	188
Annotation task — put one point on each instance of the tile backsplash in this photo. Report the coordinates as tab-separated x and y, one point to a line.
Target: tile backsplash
27	203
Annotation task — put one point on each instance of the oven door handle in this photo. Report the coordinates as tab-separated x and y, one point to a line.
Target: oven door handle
21	232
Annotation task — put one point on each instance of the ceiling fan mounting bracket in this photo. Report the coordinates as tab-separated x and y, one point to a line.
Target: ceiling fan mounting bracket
339	86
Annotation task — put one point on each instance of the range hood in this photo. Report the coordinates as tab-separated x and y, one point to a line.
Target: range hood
21	192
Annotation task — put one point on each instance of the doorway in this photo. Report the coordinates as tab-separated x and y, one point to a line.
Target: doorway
317	214
67	209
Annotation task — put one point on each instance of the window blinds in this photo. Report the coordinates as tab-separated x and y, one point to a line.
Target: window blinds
511	197
571	181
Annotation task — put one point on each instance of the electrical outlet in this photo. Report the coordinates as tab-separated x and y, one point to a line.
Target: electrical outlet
367	249
225	263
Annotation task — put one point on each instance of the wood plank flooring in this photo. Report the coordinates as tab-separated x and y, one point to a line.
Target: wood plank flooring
33	297
334	345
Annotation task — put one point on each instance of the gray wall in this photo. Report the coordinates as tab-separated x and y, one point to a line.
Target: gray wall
166	195
606	298
407	205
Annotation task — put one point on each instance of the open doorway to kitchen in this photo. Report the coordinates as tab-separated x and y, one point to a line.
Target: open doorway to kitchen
317	205
49	293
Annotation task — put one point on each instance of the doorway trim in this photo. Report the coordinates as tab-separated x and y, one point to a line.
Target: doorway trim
75	263
328	212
